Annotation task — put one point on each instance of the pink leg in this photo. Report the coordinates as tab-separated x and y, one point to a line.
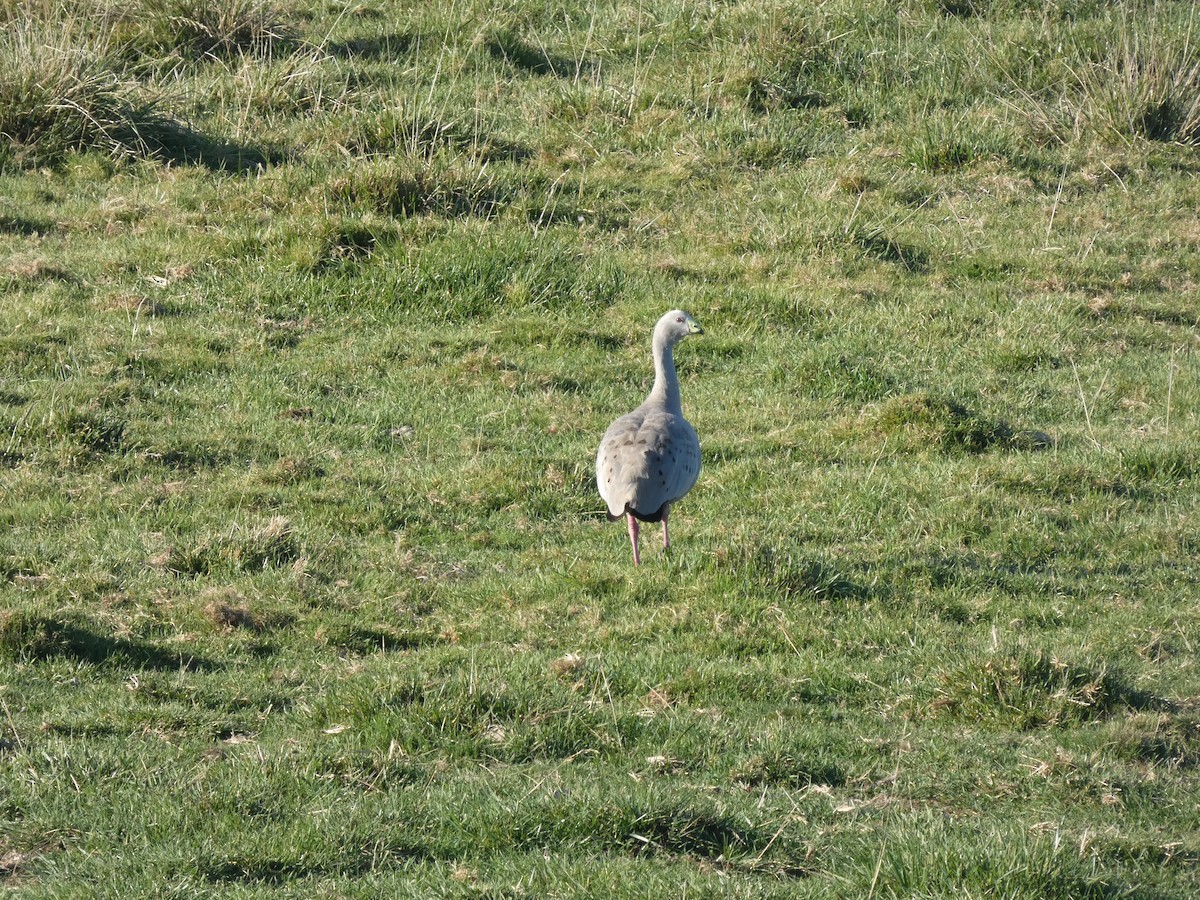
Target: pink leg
633	537
666	536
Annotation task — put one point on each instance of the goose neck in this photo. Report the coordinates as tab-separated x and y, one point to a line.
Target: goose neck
666	382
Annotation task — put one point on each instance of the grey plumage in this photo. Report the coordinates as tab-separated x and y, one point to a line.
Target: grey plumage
650	458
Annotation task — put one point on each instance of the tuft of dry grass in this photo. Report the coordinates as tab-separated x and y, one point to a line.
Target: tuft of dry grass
228	610
225	29
1141	81
1146	85
36	269
568	665
1037	689
226	616
60	91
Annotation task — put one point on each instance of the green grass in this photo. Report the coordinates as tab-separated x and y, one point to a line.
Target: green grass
313	316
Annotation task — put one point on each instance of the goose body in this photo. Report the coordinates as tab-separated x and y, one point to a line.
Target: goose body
650	458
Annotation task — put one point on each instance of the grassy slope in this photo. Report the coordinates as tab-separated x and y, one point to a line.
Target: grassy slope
305	585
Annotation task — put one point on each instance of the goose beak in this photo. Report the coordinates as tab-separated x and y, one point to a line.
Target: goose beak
695	327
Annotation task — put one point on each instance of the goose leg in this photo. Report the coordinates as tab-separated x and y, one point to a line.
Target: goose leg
633	537
666	536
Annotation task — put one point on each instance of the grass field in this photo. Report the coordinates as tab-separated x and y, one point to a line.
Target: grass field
312	316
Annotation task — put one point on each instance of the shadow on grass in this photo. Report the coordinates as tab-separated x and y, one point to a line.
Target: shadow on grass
378	854
29	636
1033	690
876	245
520	54
380	48
1170	740
134	132
766	95
392	131
270	870
683	830
794	576
1121	309
791	769
25	227
927	420
366	639
678	830
175	143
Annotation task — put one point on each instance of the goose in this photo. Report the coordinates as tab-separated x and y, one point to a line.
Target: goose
650	458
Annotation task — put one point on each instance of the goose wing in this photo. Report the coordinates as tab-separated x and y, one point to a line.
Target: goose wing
647	458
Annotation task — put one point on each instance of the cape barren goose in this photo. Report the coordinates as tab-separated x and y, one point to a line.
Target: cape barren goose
650	458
